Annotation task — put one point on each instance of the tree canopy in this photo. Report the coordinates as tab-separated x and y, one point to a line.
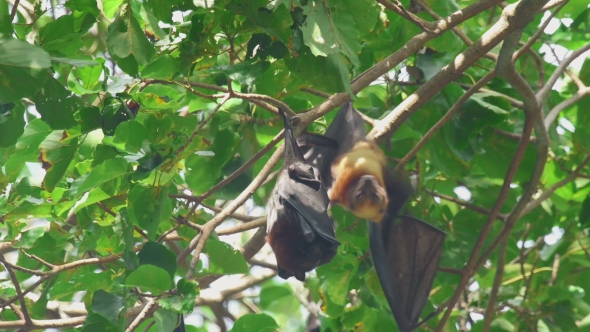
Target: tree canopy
140	141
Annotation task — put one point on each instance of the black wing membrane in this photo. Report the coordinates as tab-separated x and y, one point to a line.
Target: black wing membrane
300	230
346	129
406	252
180	327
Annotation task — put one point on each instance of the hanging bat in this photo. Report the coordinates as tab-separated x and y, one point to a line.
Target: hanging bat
300	232
405	250
180	324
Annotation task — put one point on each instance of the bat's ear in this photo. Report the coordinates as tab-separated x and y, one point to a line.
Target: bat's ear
283	273
300	276
295	120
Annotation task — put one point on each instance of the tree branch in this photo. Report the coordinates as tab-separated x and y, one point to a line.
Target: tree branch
448	116
491	308
557	109
21	297
544	92
513	18
547	193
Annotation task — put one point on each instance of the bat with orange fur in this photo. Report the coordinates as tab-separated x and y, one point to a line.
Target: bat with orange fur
405	250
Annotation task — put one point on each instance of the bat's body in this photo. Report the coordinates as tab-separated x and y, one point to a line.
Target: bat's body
405	250
300	232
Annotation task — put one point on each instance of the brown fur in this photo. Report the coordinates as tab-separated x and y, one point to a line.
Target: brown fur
365	158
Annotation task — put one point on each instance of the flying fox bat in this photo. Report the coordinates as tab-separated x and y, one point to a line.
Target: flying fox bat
300	232
405	250
180	324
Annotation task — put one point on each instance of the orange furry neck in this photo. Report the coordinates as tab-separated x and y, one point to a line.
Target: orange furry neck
365	158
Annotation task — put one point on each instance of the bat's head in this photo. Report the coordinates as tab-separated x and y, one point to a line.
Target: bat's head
368	198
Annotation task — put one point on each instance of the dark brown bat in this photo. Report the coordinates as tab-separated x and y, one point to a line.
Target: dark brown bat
180	324
300	232
405	250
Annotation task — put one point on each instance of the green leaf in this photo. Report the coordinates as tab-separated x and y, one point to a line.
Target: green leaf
12	123
148	207
165	319
276	23
204	171
129	136
95	322
107	305
27	210
161	9
255	322
88	6
126	38
95	195
224	259
86	282
247	72
114	112
333	77
85	80
158	255
29	237
62	36
495	162
163	67
56	105
110	169
184	302
149	278
155	102
585	211
18	53
23	69
56	155
90	119
331	27
110	7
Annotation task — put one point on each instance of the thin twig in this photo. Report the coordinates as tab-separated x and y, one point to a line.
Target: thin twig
243	227
200	126
554	270
571	177
198	243
448	116
24	269
234	215
465	204
49	265
530	277
543	93
490	309
143	315
237	172
19	294
455	30
398	8
14	9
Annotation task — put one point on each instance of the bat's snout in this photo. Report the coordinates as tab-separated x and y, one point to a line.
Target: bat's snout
368	199
370	191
